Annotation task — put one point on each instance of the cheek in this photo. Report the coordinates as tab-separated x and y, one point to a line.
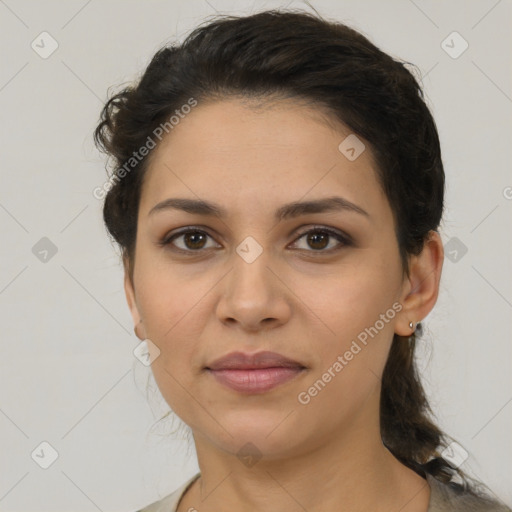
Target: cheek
347	301
352	350
171	310
167	295
352	316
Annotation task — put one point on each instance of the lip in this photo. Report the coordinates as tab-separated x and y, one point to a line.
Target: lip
256	380
244	361
254	373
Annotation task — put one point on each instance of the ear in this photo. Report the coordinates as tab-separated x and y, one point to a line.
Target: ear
421	288
129	291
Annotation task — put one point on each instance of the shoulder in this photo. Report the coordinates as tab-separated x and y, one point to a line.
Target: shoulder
449	498
170	502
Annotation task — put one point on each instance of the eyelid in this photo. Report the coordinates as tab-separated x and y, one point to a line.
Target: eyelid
183	231
342	237
345	237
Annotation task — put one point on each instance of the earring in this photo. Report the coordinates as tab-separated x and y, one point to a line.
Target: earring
412	326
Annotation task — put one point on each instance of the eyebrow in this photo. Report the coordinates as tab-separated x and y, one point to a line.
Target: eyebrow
287	211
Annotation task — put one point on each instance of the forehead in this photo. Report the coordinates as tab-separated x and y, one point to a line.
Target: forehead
242	151
243	126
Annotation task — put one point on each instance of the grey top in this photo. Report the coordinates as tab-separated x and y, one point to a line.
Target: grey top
442	499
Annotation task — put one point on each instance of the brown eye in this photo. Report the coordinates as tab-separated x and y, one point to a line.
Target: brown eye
194	240
318	239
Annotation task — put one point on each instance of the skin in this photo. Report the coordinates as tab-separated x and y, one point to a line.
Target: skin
293	299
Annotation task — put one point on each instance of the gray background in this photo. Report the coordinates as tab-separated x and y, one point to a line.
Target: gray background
67	372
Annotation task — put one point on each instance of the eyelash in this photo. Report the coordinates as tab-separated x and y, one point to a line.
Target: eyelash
344	239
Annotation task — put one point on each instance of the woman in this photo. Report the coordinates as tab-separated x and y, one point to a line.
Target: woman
277	191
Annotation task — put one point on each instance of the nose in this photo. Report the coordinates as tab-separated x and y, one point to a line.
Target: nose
254	296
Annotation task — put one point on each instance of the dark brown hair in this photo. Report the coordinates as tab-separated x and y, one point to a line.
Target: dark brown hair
298	55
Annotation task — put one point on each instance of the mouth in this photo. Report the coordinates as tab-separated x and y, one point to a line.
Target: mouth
257	380
254	373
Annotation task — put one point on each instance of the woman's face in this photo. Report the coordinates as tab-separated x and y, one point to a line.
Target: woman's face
250	282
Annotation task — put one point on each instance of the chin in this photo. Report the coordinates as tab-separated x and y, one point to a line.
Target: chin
266	434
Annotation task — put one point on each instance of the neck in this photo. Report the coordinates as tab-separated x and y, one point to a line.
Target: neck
350	472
